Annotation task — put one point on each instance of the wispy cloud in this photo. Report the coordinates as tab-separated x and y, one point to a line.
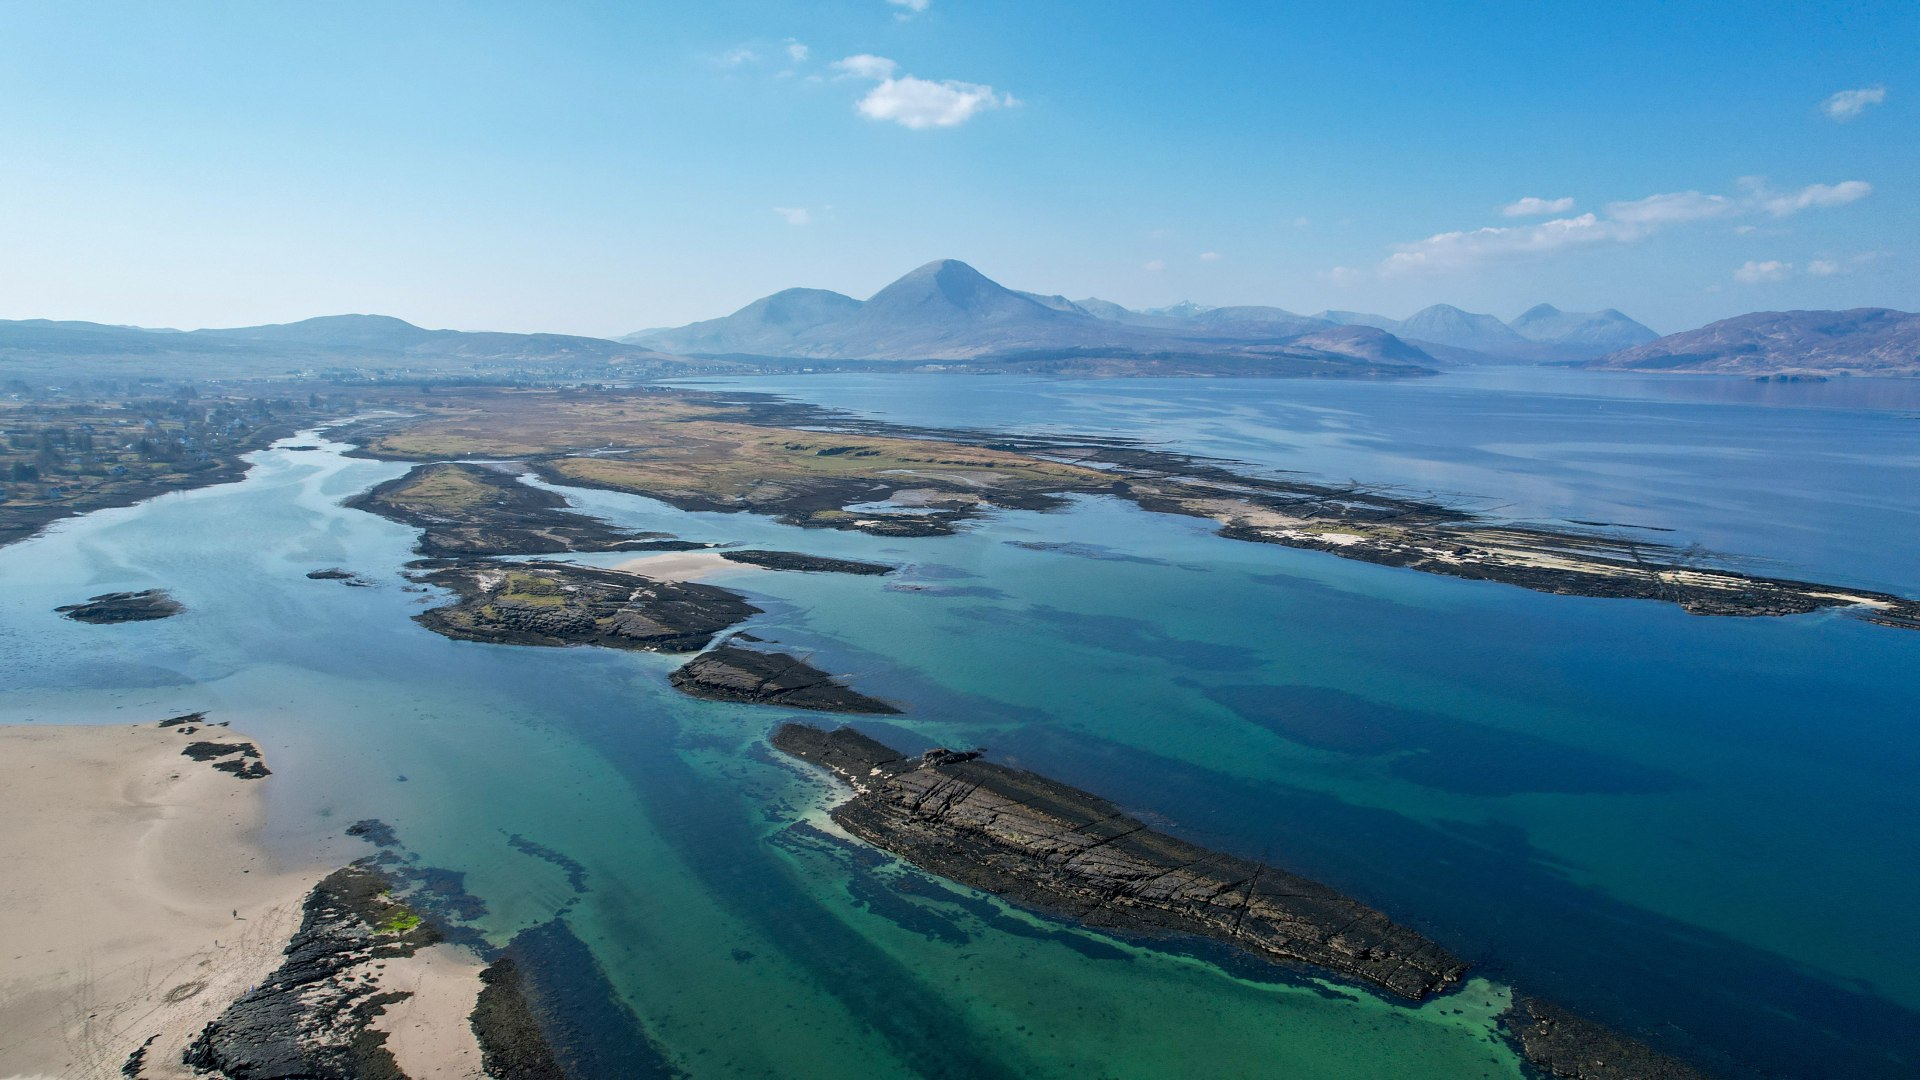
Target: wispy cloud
1209	256
797	51
913	7
1823	267
1459	250
1154	266
1848	104
1672	208
918	103
738	55
1617	223
1759	273
1815	195
1534	206
795	215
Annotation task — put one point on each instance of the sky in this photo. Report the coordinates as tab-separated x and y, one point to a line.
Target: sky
601	168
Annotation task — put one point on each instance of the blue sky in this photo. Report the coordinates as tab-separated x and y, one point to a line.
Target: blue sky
597	168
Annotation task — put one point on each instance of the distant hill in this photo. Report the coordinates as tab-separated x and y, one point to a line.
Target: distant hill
1862	341
1541	334
947	310
1604	331
332	342
770	326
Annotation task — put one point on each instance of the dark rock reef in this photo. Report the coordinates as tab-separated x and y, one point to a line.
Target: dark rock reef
732	673
476	510
312	1017
1063	850
564	604
548	1012
119	607
242	759
821	564
1564	1045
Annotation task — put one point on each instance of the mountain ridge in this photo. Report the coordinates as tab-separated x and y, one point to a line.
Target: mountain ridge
1763	344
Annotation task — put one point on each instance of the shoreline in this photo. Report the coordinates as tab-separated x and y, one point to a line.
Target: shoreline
139	906
138	900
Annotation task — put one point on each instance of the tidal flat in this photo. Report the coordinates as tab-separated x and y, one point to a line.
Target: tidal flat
726	880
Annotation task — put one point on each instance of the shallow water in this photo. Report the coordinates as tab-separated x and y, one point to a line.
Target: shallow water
1696	827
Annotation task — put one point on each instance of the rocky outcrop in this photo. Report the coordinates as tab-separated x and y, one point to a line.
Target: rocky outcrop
788	560
312	1017
118	607
1054	847
563	604
1564	1045
242	759
730	672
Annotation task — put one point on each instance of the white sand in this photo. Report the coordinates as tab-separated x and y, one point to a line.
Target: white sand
680	565
428	1033
134	901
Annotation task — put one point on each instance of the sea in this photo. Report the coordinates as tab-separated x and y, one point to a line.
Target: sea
1701	830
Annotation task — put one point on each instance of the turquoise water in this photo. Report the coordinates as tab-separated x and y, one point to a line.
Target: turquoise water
1697	828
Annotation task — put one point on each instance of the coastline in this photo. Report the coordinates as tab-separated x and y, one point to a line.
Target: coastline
137	902
138	908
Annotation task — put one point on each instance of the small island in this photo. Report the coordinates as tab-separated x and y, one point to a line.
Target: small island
118	607
809	564
554	604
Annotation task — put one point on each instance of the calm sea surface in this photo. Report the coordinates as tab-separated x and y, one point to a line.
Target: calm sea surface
1699	829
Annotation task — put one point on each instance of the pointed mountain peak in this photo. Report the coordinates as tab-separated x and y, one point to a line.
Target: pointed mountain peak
948	282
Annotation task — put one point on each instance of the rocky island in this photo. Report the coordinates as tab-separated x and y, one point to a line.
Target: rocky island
730	672
564	604
1062	850
809	564
119	607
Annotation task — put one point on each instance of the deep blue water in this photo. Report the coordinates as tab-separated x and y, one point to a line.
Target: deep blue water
1701	829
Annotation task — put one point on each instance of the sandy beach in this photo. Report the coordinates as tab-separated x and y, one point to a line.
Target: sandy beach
134	902
680	565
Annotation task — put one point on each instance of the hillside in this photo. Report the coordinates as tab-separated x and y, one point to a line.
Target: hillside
1862	341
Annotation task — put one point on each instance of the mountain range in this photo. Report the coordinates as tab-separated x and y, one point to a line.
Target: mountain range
948	310
947	315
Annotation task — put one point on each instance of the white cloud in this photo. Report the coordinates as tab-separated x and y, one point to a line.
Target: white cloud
866	66
797	51
1756	273
913	6
1209	256
1456	250
918	103
738	55
794	215
1154	265
1848	104
1823	268
1346	275
1534	206
1819	195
